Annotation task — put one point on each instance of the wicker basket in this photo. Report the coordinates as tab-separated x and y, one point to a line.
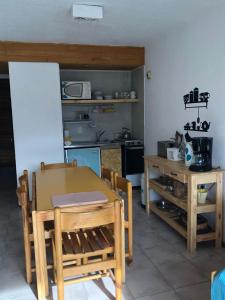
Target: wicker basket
202	222
180	189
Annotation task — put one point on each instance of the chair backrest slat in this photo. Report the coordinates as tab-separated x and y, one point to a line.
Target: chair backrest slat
72	218
122	184
23	198
34	192
23	181
44	166
108	174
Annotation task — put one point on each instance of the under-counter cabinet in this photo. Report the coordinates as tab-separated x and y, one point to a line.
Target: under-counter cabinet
111	158
189	204
89	157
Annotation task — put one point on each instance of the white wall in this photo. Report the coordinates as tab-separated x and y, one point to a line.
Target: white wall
190	57
37	115
138	108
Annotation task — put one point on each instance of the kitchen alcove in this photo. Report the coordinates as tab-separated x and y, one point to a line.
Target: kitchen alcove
126	113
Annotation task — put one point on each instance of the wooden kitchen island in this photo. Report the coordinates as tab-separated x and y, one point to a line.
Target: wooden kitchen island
179	172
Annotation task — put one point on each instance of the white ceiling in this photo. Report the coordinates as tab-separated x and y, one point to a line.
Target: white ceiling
126	22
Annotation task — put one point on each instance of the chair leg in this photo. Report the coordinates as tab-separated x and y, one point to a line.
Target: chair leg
60	289
118	283
54	263
28	265
130	246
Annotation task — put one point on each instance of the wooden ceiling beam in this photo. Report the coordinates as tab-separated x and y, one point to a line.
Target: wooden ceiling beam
71	55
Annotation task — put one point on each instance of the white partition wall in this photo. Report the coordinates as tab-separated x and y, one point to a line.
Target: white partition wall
37	114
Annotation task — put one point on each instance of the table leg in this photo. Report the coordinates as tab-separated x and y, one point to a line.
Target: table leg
146	191
192	214
219	189
130	225
123	243
40	257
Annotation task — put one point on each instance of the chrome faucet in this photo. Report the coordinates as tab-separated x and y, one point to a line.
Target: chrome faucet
99	133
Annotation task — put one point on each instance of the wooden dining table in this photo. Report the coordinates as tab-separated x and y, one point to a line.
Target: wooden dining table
59	182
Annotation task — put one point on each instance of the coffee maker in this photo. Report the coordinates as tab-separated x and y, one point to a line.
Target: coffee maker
202	148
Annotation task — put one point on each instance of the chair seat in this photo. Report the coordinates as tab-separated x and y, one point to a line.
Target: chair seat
87	243
84	248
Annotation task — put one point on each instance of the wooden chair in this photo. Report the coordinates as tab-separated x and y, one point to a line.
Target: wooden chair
44	166
23	180
108	176
123	185
23	198
213	274
83	246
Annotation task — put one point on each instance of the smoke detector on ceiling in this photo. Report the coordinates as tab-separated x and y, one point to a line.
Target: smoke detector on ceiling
87	12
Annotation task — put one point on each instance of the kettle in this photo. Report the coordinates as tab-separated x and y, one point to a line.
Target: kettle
205	125
125	134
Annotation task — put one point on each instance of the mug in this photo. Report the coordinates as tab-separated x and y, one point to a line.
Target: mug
193	125
207	95
204	96
186	98
205	125
187	126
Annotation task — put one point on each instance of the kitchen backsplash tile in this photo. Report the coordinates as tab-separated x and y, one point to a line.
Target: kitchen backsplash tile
110	122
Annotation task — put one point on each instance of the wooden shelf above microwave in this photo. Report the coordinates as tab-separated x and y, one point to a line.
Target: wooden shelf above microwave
90	101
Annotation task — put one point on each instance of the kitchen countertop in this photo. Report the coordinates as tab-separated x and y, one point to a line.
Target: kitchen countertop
106	144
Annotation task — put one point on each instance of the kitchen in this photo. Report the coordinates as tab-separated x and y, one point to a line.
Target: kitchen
104	132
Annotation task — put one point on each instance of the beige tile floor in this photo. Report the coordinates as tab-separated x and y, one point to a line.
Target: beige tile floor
162	268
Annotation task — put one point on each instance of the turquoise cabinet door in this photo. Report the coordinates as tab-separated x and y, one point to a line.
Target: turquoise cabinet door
89	157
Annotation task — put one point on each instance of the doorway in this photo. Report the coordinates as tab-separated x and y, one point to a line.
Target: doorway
7	152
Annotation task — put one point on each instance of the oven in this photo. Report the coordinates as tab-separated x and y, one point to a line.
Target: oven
133	161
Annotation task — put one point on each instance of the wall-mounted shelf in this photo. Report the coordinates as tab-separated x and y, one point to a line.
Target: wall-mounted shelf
196	100
199	130
199	104
94	102
78	121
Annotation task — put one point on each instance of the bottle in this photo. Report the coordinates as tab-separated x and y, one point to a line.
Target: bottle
191	96
67	138
195	95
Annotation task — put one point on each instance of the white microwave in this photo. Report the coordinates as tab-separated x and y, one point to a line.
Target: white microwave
76	90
